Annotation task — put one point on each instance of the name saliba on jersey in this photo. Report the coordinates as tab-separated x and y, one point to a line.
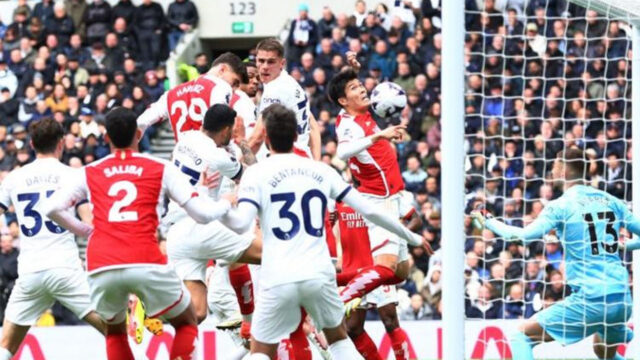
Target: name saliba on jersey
287	173
123	169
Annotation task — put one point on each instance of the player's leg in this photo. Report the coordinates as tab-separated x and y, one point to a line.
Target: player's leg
28	300
604	350
164	294
198	292
117	343
298	339
398	336
277	315
320	298
613	330
355	329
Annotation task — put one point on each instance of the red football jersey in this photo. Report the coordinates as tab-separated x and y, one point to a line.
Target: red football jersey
127	192
376	168
354	238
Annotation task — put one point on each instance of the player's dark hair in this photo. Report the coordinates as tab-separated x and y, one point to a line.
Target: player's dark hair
338	84
121	126
282	127
218	117
271	44
234	62
45	135
574	160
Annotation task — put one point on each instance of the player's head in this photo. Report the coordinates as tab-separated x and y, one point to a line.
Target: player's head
218	123
270	59
569	164
122	128
46	136
253	80
282	128
347	91
230	68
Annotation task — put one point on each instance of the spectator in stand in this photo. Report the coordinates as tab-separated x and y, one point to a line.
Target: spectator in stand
326	23
123	9
303	36
149	22
7	78
417	309
60	24
182	16
484	307
8	267
414	176
43	10
76	10
19	25
384	60
97	19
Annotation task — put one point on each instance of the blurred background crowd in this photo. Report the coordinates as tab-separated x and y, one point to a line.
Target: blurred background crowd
541	75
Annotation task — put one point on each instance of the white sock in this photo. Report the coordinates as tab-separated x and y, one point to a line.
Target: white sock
239	353
5	354
247	317
344	350
257	356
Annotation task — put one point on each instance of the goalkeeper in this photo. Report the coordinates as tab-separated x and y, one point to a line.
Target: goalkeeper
587	221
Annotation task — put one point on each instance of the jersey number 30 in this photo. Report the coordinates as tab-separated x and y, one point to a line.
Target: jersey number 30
286	213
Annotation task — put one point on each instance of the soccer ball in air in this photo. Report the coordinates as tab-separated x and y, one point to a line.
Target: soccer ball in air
388	99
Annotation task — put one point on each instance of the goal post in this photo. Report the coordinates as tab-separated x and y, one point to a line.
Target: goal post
456	141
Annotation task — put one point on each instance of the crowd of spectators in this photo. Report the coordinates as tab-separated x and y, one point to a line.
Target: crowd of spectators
540	77
74	60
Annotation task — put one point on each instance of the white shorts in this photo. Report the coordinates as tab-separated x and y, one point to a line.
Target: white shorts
190	246
382	241
221	298
278	309
381	296
36	292
158	286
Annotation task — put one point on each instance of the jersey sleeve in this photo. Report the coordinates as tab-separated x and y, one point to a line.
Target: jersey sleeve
221	94
406	205
351	140
226	162
177	185
249	189
5	193
74	191
550	218
157	112
338	187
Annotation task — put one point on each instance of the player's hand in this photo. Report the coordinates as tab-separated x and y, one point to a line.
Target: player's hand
230	197
391	133
238	132
211	180
352	60
480	216
427	247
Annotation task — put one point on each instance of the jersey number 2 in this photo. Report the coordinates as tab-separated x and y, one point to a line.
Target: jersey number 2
286	213
611	218
130	194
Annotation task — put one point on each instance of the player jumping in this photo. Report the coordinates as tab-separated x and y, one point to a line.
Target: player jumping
587	221
290	195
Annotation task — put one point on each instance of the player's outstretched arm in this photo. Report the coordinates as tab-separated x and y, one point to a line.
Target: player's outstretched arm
534	231
57	207
377	216
315	140
204	210
240	219
348	148
155	113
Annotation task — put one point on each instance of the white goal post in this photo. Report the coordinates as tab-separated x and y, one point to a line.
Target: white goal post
453	154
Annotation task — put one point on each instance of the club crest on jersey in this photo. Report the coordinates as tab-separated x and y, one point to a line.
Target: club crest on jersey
123	169
195	88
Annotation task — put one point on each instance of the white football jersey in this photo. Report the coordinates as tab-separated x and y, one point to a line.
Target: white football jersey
43	244
246	109
286	91
195	153
291	194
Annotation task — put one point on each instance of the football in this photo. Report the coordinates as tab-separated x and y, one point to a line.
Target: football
388	99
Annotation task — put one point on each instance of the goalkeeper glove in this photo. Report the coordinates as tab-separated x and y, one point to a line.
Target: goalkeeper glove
479	216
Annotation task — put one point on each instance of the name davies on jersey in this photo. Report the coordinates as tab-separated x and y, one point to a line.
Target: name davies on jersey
195	88
286	173
42	179
123	169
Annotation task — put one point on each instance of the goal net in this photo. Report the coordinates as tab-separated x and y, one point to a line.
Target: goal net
542	76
